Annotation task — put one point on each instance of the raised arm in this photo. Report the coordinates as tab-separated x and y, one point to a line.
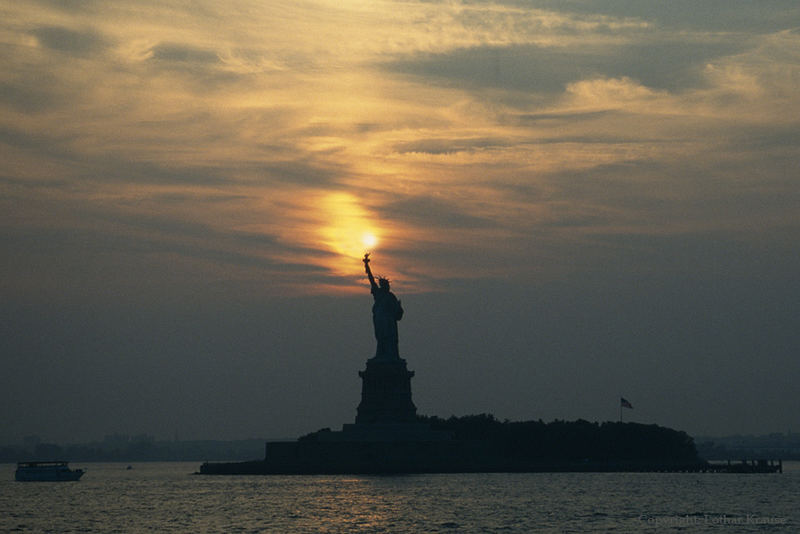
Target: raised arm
372	283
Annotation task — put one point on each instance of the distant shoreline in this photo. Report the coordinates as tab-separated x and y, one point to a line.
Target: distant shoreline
147	449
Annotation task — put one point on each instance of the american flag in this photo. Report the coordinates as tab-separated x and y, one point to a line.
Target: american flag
624	403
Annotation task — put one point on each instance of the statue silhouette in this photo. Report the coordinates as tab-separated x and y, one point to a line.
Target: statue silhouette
386	311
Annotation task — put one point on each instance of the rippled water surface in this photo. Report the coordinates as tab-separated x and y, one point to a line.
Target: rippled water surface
166	497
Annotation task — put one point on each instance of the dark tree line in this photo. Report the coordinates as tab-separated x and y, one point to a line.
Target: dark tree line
572	440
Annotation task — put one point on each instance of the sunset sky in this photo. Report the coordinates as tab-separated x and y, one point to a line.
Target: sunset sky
574	200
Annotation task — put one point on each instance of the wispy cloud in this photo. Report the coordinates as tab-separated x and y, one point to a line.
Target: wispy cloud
435	124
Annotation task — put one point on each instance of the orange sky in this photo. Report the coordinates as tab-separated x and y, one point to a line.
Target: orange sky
312	123
154	150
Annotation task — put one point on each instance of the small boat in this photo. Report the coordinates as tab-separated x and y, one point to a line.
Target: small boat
46	472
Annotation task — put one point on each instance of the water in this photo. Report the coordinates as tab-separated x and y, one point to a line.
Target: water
166	497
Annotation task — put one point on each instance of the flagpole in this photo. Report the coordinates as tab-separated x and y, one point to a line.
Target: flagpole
623	403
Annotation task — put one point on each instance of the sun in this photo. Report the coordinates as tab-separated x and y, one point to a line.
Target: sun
351	230
369	240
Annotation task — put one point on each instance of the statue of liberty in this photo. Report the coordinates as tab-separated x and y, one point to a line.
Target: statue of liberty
386	311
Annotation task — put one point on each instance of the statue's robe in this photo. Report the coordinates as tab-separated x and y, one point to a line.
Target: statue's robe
386	311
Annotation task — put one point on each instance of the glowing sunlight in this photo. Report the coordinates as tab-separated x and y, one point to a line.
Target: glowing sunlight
369	240
349	229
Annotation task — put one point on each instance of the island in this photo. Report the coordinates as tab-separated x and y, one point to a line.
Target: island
388	436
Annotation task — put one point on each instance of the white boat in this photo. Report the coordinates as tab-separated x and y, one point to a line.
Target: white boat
46	472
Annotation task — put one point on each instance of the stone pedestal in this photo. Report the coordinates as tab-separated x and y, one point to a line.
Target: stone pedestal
386	393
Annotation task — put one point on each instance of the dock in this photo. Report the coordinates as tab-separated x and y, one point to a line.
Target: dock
747	466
